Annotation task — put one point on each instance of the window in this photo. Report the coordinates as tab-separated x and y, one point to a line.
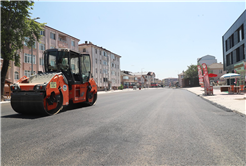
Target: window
96	60
27	58
41	46
113	72
220	71
125	78
41	61
96	70
26	40
100	52
100	62
112	56
42	33
28	73
73	43
17	75
105	79
52	35
95	50
84	50
100	71
105	63
105	71
51	47
105	53
112	64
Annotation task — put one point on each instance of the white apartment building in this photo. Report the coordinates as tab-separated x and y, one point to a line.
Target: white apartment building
51	38
105	65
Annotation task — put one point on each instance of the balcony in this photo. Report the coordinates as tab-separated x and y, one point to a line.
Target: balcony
62	44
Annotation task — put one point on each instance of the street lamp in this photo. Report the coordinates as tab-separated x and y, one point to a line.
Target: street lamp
32	51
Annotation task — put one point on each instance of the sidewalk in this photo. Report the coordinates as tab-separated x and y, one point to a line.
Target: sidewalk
230	102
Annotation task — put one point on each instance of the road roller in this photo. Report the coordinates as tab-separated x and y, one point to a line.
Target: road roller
66	79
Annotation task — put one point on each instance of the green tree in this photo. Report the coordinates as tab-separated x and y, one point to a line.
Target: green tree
191	72
16	25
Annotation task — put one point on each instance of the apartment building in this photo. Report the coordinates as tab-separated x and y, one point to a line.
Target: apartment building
51	38
106	65
234	47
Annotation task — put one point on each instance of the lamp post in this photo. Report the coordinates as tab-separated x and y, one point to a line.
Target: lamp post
32	51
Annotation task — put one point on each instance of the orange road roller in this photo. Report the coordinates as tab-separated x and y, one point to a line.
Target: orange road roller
66	79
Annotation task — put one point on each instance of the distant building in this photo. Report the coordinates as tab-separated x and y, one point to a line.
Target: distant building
171	81
234	47
105	65
145	79
216	68
180	79
207	59
128	80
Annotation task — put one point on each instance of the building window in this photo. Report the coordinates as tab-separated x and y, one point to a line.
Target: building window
104	53
105	79
105	63
100	62
73	43
100	52
51	47
17	75
96	60
96	70
52	35
41	61
100	71
84	50
42	33
41	46
27	58
28	73
220	71
95	50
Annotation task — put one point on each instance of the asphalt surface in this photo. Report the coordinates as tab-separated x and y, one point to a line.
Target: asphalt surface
145	127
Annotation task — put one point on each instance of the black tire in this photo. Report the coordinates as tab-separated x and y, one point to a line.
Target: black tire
58	108
94	97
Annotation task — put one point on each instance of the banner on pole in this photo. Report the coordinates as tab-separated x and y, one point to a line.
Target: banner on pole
206	79
200	75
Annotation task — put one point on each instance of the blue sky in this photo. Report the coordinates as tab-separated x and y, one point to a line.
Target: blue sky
163	37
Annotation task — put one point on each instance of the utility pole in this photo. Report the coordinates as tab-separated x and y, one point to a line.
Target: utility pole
32	52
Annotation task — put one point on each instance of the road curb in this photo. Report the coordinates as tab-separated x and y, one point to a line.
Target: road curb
218	105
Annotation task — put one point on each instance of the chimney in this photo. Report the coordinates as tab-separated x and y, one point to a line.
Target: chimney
85	42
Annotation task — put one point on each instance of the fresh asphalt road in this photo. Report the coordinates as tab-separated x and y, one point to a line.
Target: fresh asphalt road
144	127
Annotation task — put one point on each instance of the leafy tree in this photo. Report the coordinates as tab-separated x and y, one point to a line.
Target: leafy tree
191	72
16	25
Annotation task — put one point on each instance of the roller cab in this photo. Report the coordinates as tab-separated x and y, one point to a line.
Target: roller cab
67	77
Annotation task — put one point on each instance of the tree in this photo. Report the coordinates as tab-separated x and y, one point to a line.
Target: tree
16	25
191	72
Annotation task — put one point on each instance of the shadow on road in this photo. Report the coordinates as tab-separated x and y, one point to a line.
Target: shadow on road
22	116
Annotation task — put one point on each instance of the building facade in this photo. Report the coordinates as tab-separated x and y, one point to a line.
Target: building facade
216	68
234	47
180	79
207	59
106	65
170	81
51	38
